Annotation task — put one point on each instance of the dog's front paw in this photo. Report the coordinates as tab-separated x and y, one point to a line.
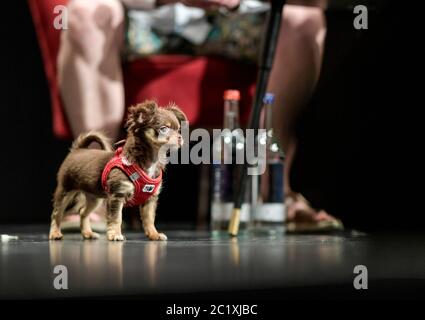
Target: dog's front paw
115	237
162	237
89	235
55	235
157	236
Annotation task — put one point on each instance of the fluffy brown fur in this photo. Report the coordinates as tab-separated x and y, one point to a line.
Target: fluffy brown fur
149	127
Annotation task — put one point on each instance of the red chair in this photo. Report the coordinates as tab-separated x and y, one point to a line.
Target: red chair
194	83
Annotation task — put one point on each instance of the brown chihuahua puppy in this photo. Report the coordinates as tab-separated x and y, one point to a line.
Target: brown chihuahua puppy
129	176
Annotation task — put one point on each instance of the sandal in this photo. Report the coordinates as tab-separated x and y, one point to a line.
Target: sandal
303	218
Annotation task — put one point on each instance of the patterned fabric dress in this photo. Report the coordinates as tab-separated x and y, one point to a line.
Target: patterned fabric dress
177	29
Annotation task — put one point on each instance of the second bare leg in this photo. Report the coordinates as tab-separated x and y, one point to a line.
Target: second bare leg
89	66
295	72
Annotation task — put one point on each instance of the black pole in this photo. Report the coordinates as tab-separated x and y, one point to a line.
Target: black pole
266	62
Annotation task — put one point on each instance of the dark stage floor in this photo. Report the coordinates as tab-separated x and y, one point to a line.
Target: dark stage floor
200	264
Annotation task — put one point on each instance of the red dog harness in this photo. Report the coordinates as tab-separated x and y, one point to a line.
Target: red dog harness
144	186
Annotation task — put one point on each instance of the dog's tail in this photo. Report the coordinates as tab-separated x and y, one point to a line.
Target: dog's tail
85	139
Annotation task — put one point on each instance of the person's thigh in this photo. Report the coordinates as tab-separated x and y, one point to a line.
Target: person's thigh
95	24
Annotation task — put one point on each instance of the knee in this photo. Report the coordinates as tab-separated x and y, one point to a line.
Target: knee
306	24
92	23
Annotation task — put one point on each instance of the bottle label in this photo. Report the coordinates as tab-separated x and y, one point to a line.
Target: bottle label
222	211
269	212
275	182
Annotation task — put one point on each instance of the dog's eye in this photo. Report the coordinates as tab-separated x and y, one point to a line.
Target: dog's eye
164	130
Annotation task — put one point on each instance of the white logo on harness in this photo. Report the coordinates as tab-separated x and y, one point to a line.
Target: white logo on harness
148	188
134	176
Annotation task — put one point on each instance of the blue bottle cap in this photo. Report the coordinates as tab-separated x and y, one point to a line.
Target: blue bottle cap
268	98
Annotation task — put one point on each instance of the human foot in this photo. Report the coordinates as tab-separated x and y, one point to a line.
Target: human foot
302	217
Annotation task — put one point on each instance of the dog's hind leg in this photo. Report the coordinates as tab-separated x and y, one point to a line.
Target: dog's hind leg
60	203
55	232
92	203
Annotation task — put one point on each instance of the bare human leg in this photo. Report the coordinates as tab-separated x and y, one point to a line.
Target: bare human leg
89	67
90	75
294	75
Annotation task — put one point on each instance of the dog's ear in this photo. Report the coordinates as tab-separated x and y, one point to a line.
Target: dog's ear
141	114
177	112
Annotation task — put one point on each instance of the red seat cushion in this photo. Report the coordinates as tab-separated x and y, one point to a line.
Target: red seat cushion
196	84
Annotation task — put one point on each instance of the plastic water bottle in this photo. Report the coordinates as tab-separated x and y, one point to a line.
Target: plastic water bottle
268	209
228	152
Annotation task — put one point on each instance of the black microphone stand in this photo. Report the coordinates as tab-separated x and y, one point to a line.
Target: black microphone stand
266	62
